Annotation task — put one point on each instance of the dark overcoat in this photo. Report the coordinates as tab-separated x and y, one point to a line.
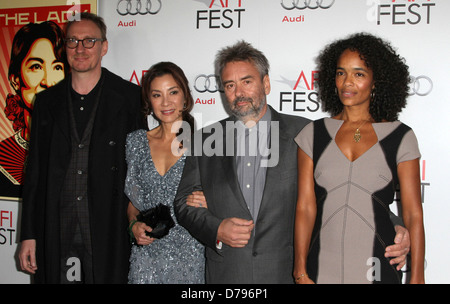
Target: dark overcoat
118	114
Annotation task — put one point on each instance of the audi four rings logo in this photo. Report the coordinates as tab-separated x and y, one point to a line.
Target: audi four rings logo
421	85
304	4
134	7
208	83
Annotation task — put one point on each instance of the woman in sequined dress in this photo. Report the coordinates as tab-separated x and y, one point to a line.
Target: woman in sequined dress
155	164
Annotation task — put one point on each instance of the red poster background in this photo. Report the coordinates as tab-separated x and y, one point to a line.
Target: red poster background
11	20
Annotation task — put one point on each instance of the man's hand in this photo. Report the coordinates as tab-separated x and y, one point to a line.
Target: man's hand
235	232
27	256
400	249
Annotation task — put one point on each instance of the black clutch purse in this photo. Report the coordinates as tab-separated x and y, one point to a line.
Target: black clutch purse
159	219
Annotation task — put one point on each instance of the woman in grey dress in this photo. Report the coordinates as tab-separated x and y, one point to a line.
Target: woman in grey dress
155	164
349	168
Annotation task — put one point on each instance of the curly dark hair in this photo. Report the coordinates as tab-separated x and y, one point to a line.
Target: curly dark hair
390	74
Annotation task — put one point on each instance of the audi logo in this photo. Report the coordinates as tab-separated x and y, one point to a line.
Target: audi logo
304	4
208	83
134	7
421	85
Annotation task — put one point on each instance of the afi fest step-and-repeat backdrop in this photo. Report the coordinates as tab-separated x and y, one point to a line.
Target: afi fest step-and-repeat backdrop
290	33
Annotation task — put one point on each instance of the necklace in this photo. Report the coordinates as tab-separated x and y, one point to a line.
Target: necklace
357	135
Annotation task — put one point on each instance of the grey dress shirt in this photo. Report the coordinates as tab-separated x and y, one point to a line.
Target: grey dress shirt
251	148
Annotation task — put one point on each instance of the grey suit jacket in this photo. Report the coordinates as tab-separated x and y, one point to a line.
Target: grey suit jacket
268	257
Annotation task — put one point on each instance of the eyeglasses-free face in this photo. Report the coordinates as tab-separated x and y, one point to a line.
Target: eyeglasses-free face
87	43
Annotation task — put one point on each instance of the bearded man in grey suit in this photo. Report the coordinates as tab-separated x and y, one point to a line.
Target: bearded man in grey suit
247	170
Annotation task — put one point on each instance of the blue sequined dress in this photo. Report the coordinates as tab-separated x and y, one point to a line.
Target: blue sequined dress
177	257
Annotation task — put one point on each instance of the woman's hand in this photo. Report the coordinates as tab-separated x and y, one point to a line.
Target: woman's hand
197	199
139	229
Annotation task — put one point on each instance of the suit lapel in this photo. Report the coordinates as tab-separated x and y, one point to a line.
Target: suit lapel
110	106
59	109
273	173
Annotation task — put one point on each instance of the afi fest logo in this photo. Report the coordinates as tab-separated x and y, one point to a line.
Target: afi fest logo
7	227
221	14
302	98
400	12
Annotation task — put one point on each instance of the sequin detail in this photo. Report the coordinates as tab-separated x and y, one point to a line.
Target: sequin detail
177	258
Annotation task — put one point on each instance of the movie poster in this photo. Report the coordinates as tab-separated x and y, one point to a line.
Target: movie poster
32	60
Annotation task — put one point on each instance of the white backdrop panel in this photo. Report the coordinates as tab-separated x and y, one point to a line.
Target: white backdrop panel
189	33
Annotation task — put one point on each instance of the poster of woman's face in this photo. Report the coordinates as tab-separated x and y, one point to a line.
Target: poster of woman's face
37	62
40	69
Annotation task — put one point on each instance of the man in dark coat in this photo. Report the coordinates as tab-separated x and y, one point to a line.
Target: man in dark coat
74	223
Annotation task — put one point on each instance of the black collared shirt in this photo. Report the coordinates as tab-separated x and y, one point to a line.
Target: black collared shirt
82	107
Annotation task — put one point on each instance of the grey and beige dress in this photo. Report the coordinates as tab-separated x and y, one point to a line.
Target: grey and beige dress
353	225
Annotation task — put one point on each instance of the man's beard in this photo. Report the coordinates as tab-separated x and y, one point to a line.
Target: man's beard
252	111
